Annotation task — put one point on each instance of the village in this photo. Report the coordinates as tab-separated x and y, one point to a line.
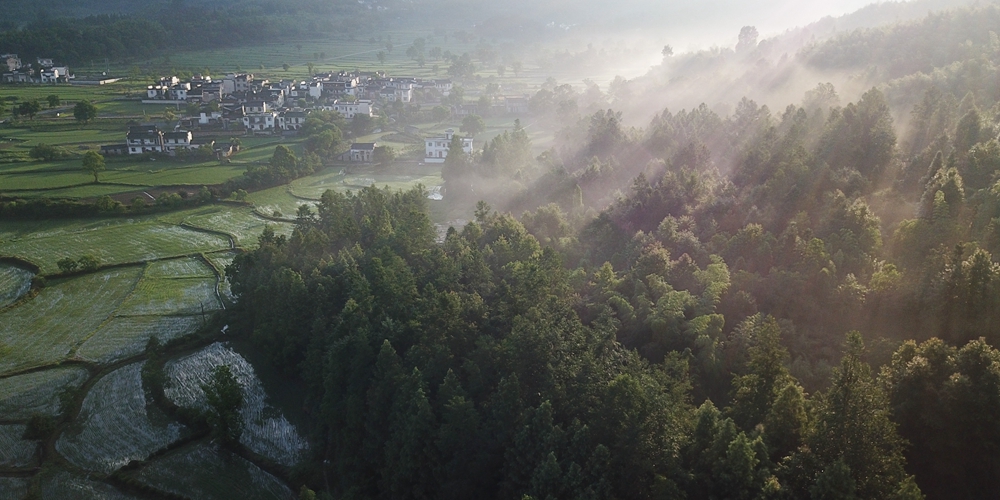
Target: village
239	101
206	107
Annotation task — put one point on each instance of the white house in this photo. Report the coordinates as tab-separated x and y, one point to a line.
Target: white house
144	139
54	74
436	148
362	152
292	119
350	109
178	139
261	122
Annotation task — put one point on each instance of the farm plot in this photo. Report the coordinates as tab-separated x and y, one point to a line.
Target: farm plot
114	244
220	261
400	178
14	488
172	296
240	223
205	471
47	328
279	200
116	426
37	392
62	484
126	336
14	451
14	282
266	431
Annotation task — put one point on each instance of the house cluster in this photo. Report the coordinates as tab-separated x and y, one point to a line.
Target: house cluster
267	107
146	139
44	71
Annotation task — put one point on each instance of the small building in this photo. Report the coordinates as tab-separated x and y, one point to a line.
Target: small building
114	149
12	62
260	122
362	152
436	148
516	104
178	139
351	109
144	139
292	120
54	74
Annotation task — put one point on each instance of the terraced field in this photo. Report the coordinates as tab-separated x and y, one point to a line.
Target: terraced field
207	472
116	425
14	451
266	431
131	240
22	396
14	282
63	484
339	179
46	329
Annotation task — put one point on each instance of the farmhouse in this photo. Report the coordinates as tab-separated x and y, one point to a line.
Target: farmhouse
144	139
362	152
12	62
350	109
436	148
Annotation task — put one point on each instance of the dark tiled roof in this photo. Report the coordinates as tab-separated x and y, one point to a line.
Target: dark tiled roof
360	146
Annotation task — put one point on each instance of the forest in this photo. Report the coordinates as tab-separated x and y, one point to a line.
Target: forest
789	303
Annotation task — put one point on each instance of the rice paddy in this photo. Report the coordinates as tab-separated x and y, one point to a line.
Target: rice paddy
22	396
14	282
116	425
207	472
266	431
14	451
46	329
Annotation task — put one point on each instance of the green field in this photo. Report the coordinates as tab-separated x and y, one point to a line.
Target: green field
356	178
122	241
46	329
172	299
37	392
116	425
240	223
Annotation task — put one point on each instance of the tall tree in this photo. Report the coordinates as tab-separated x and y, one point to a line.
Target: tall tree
93	164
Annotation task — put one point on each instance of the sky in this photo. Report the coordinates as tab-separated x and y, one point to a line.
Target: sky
698	24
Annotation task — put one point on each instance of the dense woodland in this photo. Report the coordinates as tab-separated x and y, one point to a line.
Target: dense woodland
793	303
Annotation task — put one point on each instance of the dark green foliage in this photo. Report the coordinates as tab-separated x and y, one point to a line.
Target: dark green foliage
224	396
945	400
84	111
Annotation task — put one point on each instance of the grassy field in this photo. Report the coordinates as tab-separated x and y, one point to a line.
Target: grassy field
47	329
116	425
207	472
37	392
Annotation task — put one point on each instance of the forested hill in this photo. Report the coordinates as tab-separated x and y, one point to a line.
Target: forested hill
790	303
